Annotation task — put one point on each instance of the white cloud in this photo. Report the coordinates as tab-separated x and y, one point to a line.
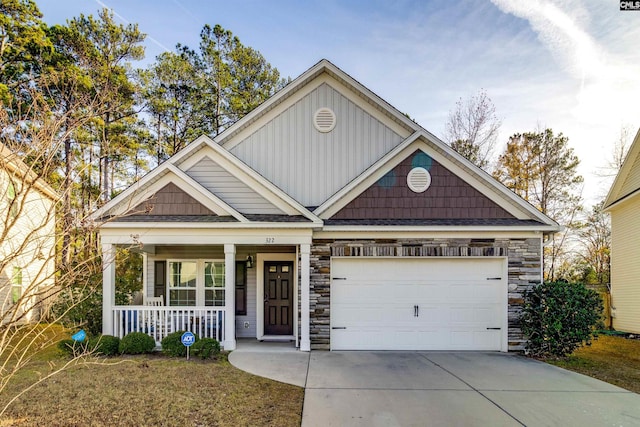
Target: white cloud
595	48
609	87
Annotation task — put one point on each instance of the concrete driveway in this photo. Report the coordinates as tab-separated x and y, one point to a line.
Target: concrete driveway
457	389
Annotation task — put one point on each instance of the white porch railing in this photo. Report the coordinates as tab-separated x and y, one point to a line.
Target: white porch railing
158	322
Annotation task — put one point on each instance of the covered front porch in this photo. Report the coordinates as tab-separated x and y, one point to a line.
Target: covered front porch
217	283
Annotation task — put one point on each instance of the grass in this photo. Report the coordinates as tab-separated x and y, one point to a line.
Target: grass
148	390
613	359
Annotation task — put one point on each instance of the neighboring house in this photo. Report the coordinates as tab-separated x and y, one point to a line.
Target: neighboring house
27	240
327	217
623	203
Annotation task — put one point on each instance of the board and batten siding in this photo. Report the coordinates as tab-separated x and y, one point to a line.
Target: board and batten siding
200	252
625	265
310	165
230	189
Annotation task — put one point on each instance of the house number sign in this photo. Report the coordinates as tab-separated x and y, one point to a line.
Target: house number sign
270	240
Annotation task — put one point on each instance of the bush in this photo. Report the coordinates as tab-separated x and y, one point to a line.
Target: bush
206	348
80	307
172	345
106	345
558	317
137	343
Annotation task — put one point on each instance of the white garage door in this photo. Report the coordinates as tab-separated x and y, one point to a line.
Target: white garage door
418	304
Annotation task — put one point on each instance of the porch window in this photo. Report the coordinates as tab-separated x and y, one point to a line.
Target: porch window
214	283
182	283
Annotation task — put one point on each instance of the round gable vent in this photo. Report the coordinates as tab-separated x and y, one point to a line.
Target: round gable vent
324	120
418	180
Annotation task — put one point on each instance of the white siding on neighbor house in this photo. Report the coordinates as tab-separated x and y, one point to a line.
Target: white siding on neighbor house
632	182
29	243
230	189
625	265
309	165
199	252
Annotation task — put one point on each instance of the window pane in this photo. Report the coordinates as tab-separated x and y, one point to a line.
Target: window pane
182	297
219	275
16	279
11	196
182	274
208	274
214	274
16	293
214	297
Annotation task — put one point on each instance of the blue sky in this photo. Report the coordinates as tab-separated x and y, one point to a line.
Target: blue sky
570	65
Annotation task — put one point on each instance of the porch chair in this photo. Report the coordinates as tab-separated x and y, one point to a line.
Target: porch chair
154	301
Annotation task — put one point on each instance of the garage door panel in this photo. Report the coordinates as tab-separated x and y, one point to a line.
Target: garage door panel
466	340
379	339
375	299
372	316
475	315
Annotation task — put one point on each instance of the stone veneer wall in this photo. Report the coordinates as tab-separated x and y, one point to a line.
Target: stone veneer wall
524	271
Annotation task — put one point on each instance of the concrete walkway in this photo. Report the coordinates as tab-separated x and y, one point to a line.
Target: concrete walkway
279	361
437	388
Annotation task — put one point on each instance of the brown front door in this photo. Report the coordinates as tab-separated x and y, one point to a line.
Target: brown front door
278	298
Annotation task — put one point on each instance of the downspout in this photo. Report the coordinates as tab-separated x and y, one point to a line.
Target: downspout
299	326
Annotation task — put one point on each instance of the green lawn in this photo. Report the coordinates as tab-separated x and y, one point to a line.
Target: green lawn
149	390
615	360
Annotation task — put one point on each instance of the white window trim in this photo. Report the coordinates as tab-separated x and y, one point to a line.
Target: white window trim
203	288
199	288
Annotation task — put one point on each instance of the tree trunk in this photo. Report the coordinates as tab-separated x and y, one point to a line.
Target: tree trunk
66	206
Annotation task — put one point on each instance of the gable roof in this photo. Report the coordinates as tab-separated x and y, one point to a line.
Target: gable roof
229	138
221	151
171	172
19	169
449	158
627	182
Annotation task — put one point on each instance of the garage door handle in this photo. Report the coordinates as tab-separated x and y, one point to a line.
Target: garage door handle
494	278
338	327
494	329
416	311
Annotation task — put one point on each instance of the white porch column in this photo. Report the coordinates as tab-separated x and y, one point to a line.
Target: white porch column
108	287
305	342
230	296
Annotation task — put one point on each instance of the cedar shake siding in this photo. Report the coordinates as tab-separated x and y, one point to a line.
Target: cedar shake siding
170	200
448	196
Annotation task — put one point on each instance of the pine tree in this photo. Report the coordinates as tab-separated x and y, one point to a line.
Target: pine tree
542	169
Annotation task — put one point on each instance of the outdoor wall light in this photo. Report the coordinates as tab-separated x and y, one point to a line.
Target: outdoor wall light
249	262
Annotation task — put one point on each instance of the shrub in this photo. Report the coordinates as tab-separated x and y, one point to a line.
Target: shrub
80	308
559	317
137	343
172	345
206	348
106	345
